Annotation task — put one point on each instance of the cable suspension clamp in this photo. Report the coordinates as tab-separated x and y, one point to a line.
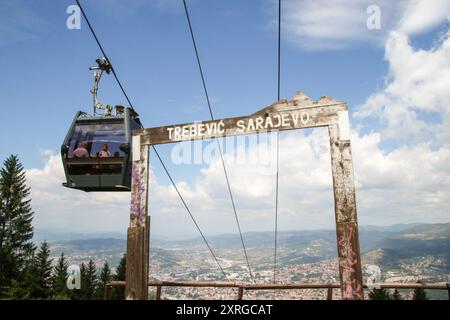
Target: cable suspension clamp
103	65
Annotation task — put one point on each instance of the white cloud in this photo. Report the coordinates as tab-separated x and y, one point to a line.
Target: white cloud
414	108
409	184
324	24
417	84
422	15
65	209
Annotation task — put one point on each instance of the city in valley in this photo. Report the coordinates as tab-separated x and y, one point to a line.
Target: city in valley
402	253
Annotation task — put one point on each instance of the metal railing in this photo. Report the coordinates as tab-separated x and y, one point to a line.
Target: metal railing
301	286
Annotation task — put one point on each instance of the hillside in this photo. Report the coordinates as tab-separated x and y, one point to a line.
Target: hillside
400	250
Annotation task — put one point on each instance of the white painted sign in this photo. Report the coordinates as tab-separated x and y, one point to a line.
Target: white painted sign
276	121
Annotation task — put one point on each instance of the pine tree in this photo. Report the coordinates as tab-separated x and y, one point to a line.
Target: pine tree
89	285
79	294
16	231
43	267
35	281
118	293
379	294
105	277
25	287
59	279
420	294
396	295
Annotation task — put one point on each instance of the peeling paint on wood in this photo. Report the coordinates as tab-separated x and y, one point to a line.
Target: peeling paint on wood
138	231
136	148
349	261
299	113
137	262
280	116
346	218
139	188
344	125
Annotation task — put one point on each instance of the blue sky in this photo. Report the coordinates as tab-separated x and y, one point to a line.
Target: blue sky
46	80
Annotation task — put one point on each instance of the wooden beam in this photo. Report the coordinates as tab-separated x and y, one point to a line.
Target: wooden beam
215	284
106	292
345	214
277	117
292	286
330	293
448	289
240	293
299	113
138	231
158	292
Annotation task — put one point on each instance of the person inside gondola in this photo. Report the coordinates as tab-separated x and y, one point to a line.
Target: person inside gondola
81	151
104	153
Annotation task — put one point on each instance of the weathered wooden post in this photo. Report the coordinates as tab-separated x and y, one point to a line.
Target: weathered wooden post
240	293
448	289
106	292
330	293
138	231
299	113
345	209
158	292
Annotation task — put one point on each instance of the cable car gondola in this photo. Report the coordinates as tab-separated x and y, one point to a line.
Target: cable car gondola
96	152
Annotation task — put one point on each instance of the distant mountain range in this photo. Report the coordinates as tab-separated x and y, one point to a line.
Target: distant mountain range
51	235
369	236
388	247
427	244
41	234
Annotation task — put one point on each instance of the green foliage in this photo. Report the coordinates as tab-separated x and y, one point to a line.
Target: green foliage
88	282
92	284
25	274
78	294
105	277
118	293
396	295
44	271
23	288
420	294
91	281
379	294
59	279
61	297
35	281
17	291
16	231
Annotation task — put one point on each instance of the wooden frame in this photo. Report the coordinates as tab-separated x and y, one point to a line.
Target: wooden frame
299	113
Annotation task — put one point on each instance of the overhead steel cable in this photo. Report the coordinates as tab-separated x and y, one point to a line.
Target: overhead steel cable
162	162
278	147
279	49
217	140
190	214
104	54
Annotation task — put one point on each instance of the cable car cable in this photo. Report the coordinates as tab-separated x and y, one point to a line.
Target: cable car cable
278	147
189	211
217	140
104	54
162	162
